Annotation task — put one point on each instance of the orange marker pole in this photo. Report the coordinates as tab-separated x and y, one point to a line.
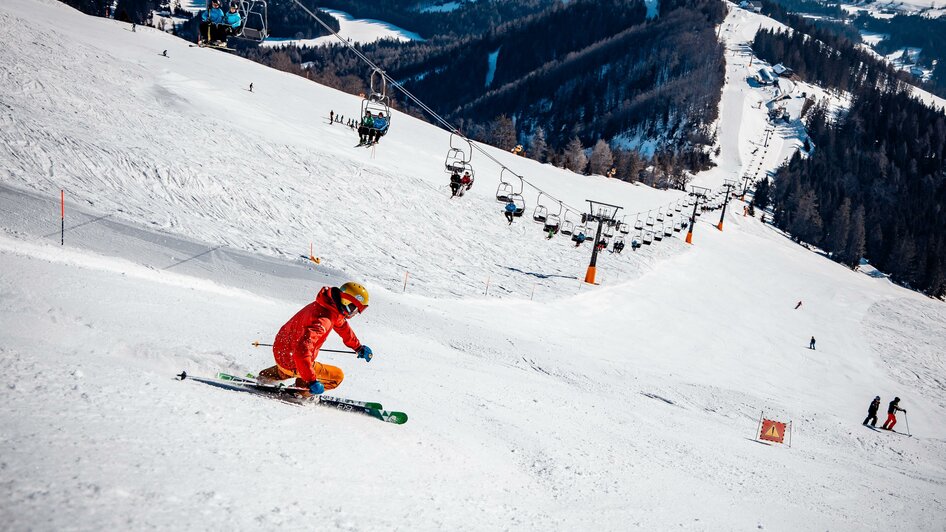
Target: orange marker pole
62	217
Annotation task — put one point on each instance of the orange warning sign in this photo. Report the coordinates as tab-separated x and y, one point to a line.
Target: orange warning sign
772	431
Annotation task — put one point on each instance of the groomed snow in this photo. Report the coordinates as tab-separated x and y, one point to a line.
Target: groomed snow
628	405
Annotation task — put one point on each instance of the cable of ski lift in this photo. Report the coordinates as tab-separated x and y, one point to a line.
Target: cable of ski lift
394	83
376	70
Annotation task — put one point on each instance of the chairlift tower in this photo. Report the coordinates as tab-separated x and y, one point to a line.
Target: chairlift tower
729	184
603	213
700	194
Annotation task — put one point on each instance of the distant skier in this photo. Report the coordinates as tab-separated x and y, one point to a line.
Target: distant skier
331	117
164	53
892	410
251	87
454	184
298	341
872	412
510	211
133	27
811	344
798	305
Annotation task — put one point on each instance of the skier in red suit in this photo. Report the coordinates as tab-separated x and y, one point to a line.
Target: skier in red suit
297	343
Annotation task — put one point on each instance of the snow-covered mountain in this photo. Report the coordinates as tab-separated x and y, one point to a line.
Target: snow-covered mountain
546	404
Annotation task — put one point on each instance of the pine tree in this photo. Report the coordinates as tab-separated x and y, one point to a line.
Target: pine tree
856	243
761	197
574	156
539	149
807	224
602	160
840	233
502	133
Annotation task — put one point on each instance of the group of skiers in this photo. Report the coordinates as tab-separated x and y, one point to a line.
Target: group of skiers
216	25
892	410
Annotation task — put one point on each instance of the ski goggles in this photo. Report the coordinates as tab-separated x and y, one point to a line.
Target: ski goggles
352	307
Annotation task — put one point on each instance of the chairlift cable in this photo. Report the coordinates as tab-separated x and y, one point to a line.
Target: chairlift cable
424	107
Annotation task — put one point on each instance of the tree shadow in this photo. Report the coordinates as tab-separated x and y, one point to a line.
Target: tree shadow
540	275
201	254
87	222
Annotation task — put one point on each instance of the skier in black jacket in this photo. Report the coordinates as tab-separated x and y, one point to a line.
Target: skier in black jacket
892	413
872	412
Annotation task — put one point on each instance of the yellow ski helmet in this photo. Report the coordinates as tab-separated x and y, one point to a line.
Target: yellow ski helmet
354	298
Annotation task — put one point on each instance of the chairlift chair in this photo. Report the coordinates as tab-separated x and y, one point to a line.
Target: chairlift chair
553	221
624	228
568	226
581	229
460	153
255	20
650	221
647	238
455	161
505	191
377	101
541	213
658	236
668	230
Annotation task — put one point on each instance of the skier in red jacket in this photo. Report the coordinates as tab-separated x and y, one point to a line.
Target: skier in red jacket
298	341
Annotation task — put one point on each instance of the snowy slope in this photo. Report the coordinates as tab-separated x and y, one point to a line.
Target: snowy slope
629	405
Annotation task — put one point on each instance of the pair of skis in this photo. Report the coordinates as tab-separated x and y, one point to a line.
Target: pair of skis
297	395
881	429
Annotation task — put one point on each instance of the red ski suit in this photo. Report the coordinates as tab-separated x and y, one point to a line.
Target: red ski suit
298	341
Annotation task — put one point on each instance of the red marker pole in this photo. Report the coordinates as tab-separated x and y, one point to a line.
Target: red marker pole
62	217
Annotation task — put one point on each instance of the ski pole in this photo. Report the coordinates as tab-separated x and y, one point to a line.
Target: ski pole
906	421
260	344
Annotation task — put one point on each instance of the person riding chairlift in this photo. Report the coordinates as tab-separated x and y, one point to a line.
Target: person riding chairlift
467	183
217	25
209	20
364	130
455	184
510	211
380	128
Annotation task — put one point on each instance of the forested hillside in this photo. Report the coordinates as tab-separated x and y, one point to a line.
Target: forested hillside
565	78
875	183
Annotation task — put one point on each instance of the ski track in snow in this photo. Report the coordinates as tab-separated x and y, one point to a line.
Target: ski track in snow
630	405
